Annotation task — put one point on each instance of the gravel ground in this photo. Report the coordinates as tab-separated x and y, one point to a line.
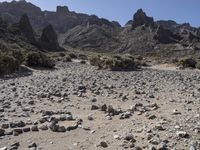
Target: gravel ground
77	107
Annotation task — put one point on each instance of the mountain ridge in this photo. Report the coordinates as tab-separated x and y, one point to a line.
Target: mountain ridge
141	35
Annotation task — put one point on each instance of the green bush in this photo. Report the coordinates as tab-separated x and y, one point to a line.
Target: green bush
19	56
187	63
72	55
67	58
198	65
95	60
8	63
114	63
61	54
139	57
39	59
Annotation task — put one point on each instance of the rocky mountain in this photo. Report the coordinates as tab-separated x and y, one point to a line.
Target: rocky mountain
21	36
62	20
140	18
14	37
141	35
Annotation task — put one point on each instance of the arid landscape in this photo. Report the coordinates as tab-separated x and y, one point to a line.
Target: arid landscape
71	81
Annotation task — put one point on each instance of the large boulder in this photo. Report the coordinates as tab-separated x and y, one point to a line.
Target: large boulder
26	28
140	18
49	39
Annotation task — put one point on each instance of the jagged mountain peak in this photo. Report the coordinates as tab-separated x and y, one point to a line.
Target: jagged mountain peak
62	10
140	18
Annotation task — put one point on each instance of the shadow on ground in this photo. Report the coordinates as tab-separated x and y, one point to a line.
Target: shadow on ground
22	72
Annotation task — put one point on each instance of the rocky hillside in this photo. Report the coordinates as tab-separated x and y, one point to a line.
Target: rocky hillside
21	36
62	20
16	36
141	35
144	35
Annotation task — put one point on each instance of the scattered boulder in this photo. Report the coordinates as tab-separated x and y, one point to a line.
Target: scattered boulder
32	145
17	131
61	129
104	107
53	126
14	146
26	129
43	127
2	132
129	136
94	107
103	144
64	117
182	134
73	127
5	126
34	128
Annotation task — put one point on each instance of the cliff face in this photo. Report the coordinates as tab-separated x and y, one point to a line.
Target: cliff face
142	35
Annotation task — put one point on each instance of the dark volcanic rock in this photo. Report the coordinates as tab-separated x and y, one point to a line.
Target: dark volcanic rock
168	24
166	36
26	28
62	10
140	18
2	131
49	39
193	37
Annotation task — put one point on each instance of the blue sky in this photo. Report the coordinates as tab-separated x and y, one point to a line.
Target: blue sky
123	10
